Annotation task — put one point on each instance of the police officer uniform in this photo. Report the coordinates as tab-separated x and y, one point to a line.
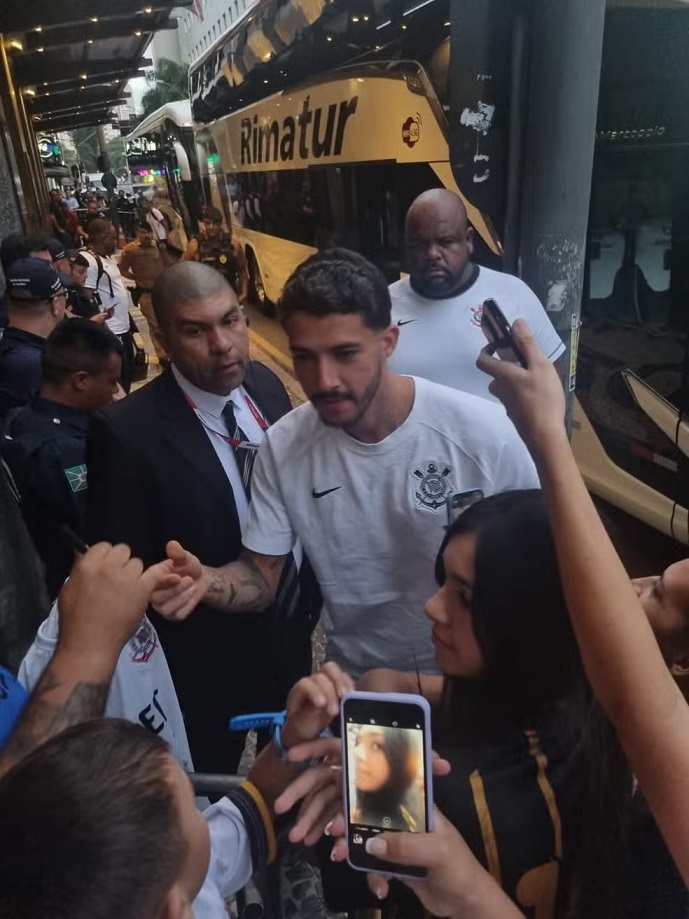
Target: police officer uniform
31	281
44	445
20	367
219	253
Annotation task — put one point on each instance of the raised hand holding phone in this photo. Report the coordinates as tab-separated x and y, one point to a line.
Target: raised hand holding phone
498	332
387	764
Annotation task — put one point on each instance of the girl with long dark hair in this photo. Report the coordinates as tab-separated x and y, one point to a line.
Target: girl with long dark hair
539	787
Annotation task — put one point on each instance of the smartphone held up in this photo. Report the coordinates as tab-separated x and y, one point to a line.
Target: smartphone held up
498	332
387	772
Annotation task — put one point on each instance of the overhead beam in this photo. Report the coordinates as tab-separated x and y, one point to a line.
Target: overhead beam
63	102
91	33
32	69
76	106
69	122
93	83
32	14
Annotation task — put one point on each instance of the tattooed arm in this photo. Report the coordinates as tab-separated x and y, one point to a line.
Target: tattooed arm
101	606
248	585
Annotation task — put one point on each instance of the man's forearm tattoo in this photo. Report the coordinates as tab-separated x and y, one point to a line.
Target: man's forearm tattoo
44	717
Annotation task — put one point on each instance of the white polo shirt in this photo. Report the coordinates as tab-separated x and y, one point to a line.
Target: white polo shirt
441	339
371	517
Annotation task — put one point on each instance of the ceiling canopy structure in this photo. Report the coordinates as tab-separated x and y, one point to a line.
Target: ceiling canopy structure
71	59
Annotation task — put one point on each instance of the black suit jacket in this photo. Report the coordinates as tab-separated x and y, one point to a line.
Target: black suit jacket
154	476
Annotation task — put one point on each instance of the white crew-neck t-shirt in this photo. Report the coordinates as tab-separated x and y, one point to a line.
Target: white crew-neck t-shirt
441	339
371	517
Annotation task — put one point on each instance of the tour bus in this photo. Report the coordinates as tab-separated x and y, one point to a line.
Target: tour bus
338	119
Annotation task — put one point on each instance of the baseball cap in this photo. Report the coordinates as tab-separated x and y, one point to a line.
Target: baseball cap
33	279
56	249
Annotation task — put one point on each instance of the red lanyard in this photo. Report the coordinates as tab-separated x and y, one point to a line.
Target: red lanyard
232	441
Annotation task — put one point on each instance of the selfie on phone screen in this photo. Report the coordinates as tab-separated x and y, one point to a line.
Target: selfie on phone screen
386	777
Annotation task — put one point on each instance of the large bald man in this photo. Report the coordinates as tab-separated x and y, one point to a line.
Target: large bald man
438	307
168	464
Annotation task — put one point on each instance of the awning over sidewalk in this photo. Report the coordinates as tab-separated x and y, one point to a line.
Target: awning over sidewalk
72	59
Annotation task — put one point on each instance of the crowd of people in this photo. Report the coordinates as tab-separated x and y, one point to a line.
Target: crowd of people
223	525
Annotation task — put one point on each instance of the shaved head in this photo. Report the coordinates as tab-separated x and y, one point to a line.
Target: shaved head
439	203
182	283
439	244
201	326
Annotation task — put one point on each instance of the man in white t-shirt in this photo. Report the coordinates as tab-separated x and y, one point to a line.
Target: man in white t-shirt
156	221
360	475
438	307
104	283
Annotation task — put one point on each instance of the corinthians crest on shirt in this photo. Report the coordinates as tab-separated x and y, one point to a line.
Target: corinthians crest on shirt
143	643
432	484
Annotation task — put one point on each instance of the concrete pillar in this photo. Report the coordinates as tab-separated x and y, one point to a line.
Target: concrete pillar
565	53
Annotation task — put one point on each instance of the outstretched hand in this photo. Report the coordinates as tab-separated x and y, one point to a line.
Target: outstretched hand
180	583
533	396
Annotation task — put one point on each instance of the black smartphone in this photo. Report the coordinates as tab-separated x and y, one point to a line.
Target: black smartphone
458	503
387	773
498	331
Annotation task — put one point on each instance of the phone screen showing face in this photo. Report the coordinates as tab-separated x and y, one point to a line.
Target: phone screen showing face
387	774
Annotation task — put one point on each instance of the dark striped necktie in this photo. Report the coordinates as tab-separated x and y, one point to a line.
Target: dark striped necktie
287	596
244	455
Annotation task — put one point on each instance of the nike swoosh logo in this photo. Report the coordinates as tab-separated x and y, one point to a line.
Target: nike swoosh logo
406	321
322	494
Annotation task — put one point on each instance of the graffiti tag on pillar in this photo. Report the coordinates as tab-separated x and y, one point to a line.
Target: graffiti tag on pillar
479	120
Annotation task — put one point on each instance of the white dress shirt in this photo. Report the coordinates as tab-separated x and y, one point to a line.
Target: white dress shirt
209	408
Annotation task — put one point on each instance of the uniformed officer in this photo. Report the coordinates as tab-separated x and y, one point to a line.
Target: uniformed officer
36	303
215	247
44	442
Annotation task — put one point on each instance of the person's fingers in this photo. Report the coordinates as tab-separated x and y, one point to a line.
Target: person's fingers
119	554
440	766
378	885
316	691
179	607
320	748
338	852
134	568
400	848
337	827
315	813
329	810
163	594
304	784
524	337
342	681
176	552
150	579
97	552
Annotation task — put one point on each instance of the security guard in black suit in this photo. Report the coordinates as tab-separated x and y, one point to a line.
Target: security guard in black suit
156	474
44	442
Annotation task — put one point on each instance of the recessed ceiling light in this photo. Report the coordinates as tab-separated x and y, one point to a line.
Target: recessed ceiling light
40	49
94	19
38	29
84	76
138	32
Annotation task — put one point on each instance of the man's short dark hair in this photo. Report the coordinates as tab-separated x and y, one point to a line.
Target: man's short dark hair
77	345
144	225
338	281
99	228
89	826
213	214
